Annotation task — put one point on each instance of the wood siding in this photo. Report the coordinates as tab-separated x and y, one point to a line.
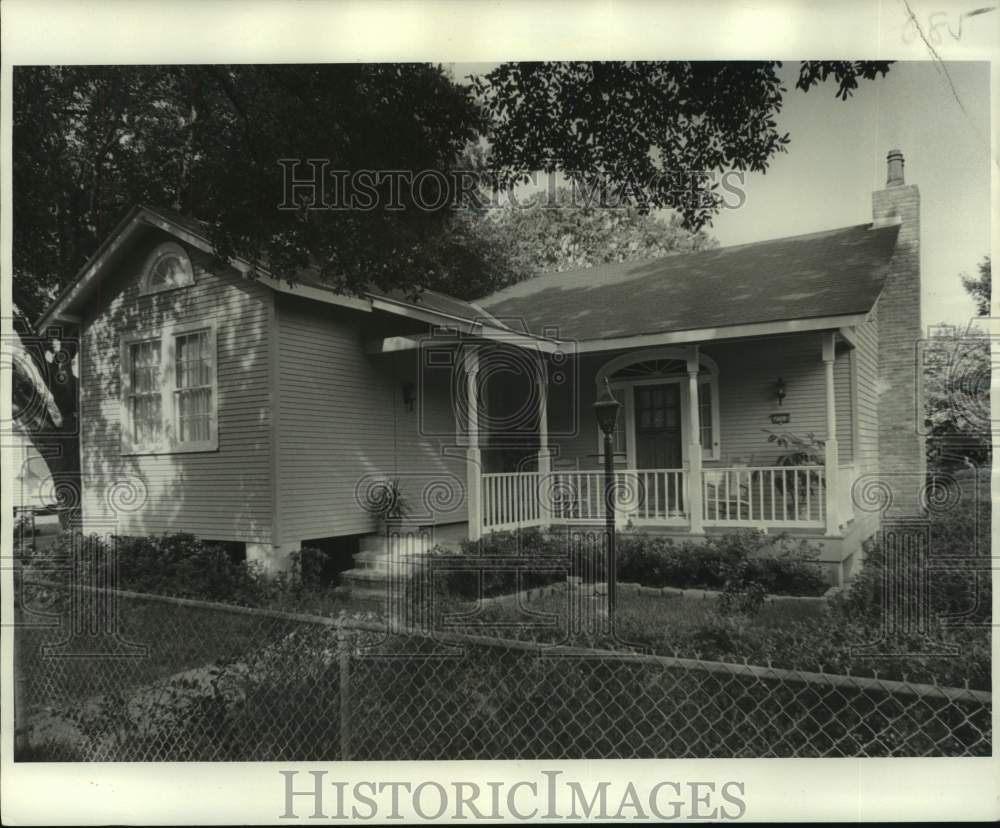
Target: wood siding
748	372
222	494
343	424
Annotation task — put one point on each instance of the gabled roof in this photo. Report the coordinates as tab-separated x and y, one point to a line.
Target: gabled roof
430	306
816	281
834	273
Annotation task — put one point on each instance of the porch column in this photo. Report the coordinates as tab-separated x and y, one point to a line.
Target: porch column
832	452
694	445
544	458
473	456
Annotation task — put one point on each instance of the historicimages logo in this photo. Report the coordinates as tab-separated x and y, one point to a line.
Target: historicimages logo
313	795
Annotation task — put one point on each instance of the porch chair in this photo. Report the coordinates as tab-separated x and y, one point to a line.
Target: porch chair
732	501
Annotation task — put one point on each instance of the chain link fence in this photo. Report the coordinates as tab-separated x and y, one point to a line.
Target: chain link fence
167	679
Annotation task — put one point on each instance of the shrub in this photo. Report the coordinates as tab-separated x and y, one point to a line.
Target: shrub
311	567
775	562
747	562
525	543
181	565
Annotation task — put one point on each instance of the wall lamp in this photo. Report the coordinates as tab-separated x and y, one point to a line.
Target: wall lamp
779	390
409	395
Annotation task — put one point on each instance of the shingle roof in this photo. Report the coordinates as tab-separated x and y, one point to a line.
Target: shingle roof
430	299
831	273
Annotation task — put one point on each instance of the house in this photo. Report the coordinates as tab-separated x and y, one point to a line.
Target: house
250	411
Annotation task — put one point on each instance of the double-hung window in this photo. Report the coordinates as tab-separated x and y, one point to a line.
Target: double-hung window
170	390
144	398
708	419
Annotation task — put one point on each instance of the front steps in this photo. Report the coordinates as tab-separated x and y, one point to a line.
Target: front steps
387	561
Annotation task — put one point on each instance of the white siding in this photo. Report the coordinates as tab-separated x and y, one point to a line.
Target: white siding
342	421
748	372
223	494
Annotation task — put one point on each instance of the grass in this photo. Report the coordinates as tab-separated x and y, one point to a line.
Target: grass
645	617
152	641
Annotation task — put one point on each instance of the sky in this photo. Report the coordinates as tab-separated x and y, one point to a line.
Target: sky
937	114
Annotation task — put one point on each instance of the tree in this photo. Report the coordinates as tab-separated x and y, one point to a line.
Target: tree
978	287
566	232
89	142
487	250
653	133
957	376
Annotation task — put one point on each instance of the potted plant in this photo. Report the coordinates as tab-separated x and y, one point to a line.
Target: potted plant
799	450
387	503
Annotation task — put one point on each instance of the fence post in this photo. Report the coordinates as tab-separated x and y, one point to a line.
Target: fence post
344	690
21	741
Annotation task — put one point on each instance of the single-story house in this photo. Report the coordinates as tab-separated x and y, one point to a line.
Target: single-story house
260	413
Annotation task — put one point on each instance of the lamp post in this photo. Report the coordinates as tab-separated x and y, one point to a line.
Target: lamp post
606	411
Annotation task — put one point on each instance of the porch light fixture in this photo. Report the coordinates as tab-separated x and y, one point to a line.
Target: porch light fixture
779	390
409	395
606	410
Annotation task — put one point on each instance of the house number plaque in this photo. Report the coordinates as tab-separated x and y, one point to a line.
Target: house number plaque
780	419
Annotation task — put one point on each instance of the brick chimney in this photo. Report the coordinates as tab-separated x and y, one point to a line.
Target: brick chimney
902	458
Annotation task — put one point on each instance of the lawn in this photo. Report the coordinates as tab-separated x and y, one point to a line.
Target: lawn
652	621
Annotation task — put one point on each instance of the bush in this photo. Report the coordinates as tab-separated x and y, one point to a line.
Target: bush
180	565
775	562
735	561
525	543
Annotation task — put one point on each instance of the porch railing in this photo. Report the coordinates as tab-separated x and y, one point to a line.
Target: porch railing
641	495
762	497
510	500
779	496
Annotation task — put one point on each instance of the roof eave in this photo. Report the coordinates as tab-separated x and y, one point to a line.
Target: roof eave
728	332
141	215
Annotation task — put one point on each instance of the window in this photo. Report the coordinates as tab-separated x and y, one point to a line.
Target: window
193	387
705	420
167	267
169	390
144	396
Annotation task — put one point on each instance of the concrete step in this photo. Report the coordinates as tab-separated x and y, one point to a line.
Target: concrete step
404	538
383	555
380	576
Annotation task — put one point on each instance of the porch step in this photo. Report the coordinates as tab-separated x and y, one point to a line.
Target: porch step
378	575
379	559
386	561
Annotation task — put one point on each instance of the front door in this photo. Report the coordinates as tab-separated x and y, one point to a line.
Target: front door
658	446
658	426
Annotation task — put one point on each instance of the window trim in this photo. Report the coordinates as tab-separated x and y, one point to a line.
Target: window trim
168	442
157	253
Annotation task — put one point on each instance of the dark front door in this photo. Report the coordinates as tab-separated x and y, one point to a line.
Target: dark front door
658	426
658	446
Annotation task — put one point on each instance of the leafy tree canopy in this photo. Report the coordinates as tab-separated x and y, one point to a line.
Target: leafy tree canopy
553	230
957	376
650	131
978	287
89	142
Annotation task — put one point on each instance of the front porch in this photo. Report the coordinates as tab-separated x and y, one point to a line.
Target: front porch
765	497
691	450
